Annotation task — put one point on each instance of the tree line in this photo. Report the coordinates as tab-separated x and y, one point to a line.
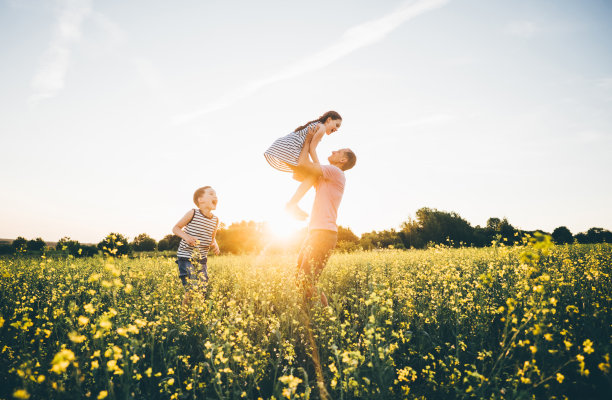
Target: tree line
429	227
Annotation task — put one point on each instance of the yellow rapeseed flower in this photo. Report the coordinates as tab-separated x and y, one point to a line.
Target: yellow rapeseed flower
61	361
102	395
132	329
76	338
106	324
21	394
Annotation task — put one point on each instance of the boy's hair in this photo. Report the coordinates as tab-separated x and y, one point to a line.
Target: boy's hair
198	193
351	159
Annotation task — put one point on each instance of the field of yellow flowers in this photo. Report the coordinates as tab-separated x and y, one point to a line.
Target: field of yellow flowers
528	321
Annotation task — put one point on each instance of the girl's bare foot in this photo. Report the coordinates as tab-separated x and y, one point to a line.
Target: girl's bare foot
296	211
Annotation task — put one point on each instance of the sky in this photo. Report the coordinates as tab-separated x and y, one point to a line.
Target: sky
113	112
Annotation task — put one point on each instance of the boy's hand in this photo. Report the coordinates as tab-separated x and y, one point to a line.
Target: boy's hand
215	248
191	241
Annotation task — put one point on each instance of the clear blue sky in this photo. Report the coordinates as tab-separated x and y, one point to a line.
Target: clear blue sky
113	112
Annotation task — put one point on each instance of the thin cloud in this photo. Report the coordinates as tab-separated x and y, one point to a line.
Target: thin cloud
591	136
433	119
523	29
51	75
605	83
353	39
147	73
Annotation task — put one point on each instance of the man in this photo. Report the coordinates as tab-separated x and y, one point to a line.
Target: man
322	228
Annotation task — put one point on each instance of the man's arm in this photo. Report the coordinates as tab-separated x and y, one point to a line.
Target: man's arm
309	168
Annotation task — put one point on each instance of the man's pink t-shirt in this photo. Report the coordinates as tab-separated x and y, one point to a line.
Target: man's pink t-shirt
330	188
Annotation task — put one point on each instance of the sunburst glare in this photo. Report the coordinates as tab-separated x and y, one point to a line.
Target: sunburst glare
282	227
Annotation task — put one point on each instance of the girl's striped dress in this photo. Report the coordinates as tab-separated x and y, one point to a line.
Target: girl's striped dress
202	228
287	149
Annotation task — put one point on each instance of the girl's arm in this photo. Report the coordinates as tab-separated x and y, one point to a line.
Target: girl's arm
314	142
178	229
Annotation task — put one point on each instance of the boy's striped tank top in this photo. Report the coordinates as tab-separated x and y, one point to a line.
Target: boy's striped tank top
202	228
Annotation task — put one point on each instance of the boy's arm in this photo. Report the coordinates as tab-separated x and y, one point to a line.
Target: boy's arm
214	244
178	228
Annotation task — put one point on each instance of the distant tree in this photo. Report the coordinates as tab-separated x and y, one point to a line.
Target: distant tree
68	245
493	223
144	242
581	238
347	235
6	248
169	243
594	235
163	245
242	237
347	240
433	226
20	244
411	235
36	244
482	236
598	235
74	248
87	251
115	244
562	235
502	230
381	240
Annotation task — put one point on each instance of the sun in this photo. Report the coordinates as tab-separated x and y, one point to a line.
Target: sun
283	227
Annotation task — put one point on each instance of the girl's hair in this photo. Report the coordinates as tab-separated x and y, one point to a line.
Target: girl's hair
334	116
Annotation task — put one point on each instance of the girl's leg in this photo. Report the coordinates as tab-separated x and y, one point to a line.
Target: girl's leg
305	185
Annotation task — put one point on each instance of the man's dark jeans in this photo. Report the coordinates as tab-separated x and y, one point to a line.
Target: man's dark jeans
314	254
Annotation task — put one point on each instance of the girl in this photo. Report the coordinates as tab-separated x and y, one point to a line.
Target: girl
289	152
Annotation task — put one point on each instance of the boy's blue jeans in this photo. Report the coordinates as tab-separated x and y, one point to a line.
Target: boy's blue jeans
193	275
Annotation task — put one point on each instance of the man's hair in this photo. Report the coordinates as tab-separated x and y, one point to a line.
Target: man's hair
198	193
351	159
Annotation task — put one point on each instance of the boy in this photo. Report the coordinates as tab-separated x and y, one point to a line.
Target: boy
197	230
